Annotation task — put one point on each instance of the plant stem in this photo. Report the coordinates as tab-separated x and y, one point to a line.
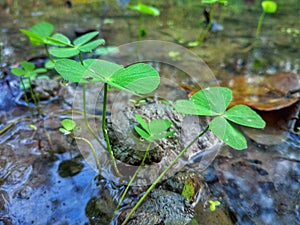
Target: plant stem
133	177
162	175
34	98
48	54
80	58
140	26
93	151
259	25
26	98
201	38
86	118
104	130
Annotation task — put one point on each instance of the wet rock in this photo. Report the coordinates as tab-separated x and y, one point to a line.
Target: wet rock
46	88
162	208
205	216
69	168
176	184
125	142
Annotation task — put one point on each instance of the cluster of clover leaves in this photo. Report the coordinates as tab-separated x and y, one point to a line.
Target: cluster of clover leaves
137	79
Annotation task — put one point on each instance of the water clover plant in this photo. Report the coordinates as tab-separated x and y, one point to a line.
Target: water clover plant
80	44
214	102
152	131
29	72
268	7
138	78
68	127
143	9
39	33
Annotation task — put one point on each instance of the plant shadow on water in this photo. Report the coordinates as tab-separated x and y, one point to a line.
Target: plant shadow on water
45	180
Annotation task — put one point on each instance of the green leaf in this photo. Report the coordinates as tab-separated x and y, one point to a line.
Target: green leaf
244	115
213	204
93	70
59	40
18	71
140	78
142	8
43	29
156	129
28	66
34	38
193	44
64	131
38	33
158	126
214	100
68	124
85	38
207	102
70	70
269	6
91	45
190	108
142	132
228	133
143	123
100	70
64	52
40	70
49	64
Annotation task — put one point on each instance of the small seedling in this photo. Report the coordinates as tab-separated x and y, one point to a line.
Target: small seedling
201	34
143	9
80	44
214	102
29	72
68	127
152	131
213	204
268	7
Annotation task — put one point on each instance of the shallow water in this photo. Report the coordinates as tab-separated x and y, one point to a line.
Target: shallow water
259	185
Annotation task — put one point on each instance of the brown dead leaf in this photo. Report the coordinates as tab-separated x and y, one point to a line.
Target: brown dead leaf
264	93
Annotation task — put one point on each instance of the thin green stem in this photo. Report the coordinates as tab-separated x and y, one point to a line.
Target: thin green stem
105	132
140	26
201	38
86	121
80	58
93	151
133	177
162	175
259	25
34	98
47	53
25	97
